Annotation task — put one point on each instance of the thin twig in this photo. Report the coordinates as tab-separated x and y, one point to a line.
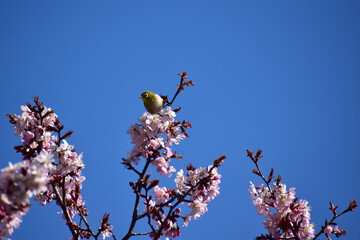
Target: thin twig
261	175
137	201
177	92
86	223
65	211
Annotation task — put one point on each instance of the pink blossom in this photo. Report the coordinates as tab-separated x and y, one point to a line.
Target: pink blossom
161	165
328	229
27	137
50	119
253	193
170	228
180	182
286	209
107	232
161	194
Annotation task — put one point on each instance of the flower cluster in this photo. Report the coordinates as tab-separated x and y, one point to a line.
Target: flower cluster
156	132
168	225
66	178
197	188
284	215
202	185
18	183
35	128
161	194
51	168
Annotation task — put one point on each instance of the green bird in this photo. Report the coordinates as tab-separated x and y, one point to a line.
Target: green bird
152	102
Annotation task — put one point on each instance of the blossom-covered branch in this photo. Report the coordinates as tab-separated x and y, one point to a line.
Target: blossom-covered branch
153	138
286	216
50	170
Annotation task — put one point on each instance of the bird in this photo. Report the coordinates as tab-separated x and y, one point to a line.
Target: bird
152	102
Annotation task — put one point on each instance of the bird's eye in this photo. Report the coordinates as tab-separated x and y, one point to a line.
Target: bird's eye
146	95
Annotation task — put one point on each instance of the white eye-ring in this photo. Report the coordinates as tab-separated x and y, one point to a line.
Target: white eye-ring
146	95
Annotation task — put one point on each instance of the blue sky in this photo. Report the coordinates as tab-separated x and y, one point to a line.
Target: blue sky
283	76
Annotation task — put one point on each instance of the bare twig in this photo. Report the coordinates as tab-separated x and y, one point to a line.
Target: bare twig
180	87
